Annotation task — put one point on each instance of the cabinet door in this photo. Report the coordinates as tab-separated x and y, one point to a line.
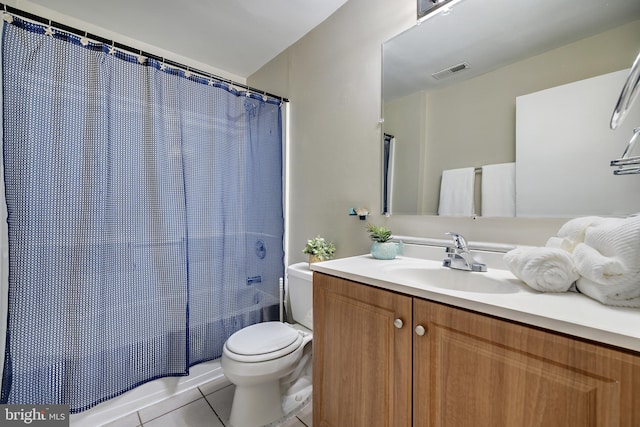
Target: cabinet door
361	359
475	370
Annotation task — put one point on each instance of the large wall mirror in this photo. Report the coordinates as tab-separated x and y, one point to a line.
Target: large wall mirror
496	82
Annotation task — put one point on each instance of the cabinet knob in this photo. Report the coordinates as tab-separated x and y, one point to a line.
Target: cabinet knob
398	323
420	330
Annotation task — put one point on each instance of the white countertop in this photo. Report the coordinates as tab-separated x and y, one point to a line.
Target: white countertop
570	313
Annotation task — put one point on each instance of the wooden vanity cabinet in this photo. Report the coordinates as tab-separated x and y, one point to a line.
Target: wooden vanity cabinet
467	369
362	343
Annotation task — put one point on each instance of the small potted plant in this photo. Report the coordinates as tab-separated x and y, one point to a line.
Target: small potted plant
319	249
382	248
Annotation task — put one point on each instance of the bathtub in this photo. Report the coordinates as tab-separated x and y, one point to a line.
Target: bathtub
149	394
259	306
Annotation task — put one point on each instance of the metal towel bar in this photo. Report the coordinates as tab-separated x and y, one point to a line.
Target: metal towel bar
626	164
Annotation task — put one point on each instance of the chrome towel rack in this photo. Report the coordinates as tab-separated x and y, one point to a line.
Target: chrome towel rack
627	164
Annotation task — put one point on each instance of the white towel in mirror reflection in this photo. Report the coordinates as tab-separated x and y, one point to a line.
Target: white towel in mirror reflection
456	192
499	190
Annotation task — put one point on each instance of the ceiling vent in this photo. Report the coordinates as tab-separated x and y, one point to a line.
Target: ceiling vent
450	71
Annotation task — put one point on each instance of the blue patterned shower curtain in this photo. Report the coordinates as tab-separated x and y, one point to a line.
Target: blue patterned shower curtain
144	213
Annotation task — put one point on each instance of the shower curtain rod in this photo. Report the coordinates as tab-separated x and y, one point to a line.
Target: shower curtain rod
65	28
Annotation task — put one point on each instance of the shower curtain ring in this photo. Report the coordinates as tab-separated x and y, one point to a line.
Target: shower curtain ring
6	16
49	30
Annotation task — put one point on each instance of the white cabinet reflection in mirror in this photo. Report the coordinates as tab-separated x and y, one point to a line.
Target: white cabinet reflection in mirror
561	130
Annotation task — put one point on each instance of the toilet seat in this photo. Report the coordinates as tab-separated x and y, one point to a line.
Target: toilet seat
262	342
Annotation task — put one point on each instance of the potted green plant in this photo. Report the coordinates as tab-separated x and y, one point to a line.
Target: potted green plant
382	248
319	249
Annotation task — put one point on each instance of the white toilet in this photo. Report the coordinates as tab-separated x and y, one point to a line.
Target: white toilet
261	357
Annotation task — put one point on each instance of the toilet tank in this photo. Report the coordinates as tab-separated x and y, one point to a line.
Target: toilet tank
300	286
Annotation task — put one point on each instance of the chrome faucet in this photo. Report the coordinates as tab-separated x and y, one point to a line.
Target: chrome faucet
459	257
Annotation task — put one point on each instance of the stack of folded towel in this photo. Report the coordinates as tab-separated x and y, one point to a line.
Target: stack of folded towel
601	255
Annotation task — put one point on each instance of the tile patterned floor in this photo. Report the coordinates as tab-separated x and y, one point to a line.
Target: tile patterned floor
204	406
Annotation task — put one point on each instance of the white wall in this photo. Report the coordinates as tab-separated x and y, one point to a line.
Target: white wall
332	77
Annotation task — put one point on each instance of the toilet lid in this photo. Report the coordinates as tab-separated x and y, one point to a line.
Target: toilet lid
264	339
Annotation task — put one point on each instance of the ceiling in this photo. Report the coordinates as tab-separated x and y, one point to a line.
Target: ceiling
489	34
236	36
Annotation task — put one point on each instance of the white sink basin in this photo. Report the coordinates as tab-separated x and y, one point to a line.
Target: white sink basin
492	282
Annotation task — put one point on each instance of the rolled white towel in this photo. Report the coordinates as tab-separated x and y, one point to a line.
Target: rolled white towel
616	295
609	262
561	243
573	232
541	268
591	264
